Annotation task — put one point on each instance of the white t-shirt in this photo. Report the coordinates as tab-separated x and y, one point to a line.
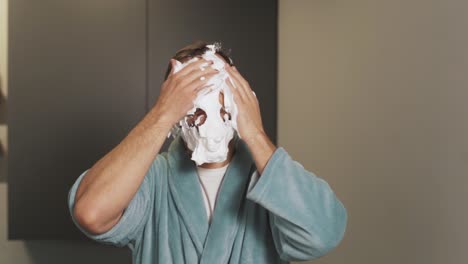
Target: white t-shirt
210	181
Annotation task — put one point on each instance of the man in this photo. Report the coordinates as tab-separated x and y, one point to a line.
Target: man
261	206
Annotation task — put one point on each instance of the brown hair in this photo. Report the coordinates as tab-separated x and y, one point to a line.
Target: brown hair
197	49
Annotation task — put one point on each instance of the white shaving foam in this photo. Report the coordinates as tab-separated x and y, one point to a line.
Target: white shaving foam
210	142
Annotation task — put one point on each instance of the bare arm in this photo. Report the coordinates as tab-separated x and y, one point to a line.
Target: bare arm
112	182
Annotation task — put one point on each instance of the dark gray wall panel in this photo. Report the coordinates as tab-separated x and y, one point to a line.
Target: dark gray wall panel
3	107
77	87
249	28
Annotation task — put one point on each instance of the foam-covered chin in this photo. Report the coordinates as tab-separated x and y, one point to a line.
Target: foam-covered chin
202	151
202	155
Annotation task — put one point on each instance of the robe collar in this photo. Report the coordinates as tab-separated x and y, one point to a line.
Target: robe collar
188	197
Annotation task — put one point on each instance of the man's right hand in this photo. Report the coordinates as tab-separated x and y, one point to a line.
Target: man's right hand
112	182
180	89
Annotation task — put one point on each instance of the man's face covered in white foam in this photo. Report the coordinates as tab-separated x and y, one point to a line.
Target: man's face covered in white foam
209	126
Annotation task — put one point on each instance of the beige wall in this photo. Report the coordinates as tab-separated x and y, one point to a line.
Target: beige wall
372	97
3	45
3	64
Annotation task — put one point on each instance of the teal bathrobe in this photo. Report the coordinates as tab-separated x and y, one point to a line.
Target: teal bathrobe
285	214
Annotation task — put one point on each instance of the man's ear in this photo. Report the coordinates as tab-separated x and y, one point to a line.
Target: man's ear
172	61
221	98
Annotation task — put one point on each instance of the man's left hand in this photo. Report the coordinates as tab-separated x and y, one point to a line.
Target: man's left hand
249	120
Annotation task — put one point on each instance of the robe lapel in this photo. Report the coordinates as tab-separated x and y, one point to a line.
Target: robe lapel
185	187
188	197
227	212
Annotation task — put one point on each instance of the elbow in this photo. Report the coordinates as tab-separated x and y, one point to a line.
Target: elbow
310	249
312	243
87	219
335	233
306	252
294	251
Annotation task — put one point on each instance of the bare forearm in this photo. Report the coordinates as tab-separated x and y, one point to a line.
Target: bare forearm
110	184
262	149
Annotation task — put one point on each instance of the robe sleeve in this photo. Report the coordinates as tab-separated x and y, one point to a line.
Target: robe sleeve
134	217
306	218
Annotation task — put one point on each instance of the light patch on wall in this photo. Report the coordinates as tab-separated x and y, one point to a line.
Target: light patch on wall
3	69
3	46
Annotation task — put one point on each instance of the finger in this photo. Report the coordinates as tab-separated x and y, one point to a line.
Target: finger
256	98
239	76
238	84
198	66
234	90
247	90
203	89
197	75
193	66
197	83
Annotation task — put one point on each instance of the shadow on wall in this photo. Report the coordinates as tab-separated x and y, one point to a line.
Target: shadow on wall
3	166
74	252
